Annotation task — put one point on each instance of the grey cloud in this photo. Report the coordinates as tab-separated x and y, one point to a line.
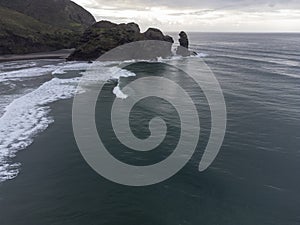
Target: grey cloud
200	4
250	15
197	13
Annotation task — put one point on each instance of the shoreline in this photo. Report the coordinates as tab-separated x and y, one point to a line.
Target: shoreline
59	54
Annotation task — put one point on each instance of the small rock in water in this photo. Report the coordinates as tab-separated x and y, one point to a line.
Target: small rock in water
183	49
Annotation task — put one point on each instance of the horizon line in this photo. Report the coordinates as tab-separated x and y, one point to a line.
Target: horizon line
246	32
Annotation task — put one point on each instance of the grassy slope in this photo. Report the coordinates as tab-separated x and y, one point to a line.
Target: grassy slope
59	13
21	24
22	34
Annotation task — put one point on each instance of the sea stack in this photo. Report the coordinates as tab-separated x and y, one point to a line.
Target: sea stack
183	49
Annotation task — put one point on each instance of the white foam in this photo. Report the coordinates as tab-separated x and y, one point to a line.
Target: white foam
200	55
26	73
70	66
58	69
104	73
119	94
100	71
16	65
27	116
117	73
179	57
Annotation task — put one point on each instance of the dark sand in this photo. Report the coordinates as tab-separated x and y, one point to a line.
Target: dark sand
60	54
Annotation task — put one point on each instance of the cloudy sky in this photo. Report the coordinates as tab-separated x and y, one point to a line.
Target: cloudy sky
201	15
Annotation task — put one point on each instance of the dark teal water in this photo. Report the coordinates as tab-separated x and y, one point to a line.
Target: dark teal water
254	180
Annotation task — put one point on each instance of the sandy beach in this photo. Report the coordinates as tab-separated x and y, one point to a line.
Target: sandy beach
60	54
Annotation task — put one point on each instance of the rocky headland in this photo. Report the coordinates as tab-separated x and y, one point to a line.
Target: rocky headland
33	26
104	36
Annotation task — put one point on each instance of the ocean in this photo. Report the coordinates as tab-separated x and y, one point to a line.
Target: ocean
253	180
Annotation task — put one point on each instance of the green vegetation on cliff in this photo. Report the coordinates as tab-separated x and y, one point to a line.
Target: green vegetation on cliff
59	13
22	34
104	36
28	26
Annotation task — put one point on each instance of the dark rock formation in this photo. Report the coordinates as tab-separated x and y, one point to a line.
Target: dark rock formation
105	36
156	34
183	49
183	40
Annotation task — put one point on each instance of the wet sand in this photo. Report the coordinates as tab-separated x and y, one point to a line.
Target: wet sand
60	54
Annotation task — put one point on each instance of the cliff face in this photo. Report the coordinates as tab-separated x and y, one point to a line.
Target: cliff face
21	34
28	26
59	13
104	36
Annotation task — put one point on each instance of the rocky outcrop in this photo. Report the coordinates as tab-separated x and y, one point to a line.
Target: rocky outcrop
58	13
183	49
183	40
156	34
104	36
